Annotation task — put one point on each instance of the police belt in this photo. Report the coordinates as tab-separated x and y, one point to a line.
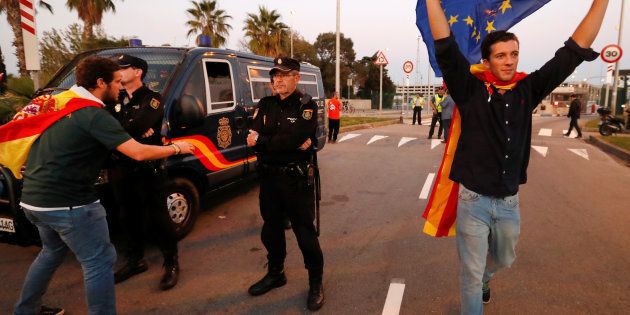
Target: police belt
293	169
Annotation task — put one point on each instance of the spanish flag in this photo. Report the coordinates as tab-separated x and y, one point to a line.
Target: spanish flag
441	209
17	136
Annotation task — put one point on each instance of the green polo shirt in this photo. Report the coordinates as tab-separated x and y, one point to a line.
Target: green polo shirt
65	160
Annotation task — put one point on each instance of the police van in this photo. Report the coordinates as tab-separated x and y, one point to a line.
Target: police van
209	97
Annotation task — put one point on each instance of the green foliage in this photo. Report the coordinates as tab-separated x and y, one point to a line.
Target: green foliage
325	46
267	35
302	49
21	86
58	47
207	19
9	105
350	121
368	77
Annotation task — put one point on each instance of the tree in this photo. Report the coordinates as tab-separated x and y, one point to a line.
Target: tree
57	47
302	49
325	45
266	34
368	78
208	20
91	13
12	8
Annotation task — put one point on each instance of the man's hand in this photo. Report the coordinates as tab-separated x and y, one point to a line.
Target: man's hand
185	147
252	137
306	144
148	133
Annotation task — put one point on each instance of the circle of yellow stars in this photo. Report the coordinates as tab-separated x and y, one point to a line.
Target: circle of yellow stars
476	34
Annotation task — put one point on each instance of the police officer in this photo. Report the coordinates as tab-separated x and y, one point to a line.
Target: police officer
283	132
436	106
139	186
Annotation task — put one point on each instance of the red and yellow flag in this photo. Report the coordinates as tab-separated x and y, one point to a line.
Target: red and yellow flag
441	210
17	136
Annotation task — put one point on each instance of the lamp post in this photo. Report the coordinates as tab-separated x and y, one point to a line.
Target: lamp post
291	36
337	49
613	104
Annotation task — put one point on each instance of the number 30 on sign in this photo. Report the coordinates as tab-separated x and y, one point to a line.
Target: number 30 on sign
611	53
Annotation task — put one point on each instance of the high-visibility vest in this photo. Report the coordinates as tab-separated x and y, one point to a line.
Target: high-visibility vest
438	102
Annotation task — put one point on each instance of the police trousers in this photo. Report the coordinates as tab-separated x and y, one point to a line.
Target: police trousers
139	192
289	195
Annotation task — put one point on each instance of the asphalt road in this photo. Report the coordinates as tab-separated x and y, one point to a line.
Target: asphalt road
572	255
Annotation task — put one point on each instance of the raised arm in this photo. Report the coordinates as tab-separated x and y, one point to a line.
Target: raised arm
586	32
437	20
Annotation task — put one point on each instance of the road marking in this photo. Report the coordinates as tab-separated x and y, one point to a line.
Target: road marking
427	186
435	143
541	150
376	138
545	132
394	297
580	152
572	135
405	140
349	136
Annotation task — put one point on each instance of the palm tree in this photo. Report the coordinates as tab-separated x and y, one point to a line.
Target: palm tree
266	34
208	20
12	8
91	13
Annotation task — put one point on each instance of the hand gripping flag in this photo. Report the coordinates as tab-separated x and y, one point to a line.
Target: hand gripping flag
17	136
472	20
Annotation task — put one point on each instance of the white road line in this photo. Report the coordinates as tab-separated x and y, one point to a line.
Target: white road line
394	297
545	132
541	150
376	138
435	143
349	136
405	140
580	152
427	186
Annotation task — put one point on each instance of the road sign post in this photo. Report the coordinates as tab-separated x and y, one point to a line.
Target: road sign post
612	54
381	60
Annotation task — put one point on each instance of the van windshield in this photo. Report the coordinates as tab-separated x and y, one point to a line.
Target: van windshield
162	63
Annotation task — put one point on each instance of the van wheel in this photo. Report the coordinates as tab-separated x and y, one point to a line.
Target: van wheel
182	204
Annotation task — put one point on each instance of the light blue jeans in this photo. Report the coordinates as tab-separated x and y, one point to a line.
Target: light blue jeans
487	232
84	231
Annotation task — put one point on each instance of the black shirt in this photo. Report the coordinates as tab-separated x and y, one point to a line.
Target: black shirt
493	150
283	126
142	111
574	109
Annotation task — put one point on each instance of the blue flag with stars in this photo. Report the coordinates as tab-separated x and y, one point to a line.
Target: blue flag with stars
472	20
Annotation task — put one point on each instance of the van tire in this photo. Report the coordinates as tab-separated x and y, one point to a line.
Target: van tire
182	203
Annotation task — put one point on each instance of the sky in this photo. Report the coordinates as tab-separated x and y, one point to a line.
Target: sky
372	25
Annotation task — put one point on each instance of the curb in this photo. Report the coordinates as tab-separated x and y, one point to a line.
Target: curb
611	149
369	126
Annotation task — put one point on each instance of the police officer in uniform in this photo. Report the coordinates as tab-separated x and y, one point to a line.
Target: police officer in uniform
283	131
436	106
139	186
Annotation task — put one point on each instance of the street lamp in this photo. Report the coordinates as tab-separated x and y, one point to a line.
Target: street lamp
337	48
291	12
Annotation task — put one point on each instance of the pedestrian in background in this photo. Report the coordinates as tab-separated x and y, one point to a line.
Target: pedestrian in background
334	107
418	105
283	132
574	114
139	186
58	194
436	107
496	104
448	105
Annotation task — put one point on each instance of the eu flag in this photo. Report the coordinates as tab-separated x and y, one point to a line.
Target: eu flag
472	20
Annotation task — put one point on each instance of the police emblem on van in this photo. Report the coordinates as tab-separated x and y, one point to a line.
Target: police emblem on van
224	133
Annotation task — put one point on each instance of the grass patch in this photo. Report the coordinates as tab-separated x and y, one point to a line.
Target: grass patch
622	142
593	123
350	121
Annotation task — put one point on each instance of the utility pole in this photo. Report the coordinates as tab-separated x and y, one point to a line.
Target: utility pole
291	13
616	77
337	49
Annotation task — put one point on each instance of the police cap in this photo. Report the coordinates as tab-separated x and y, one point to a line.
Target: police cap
125	61
284	64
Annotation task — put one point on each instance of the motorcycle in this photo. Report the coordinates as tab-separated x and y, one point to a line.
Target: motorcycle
609	124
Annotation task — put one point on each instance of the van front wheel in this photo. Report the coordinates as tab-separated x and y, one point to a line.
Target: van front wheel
182	204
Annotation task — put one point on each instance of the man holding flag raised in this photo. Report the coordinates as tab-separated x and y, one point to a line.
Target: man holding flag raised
488	152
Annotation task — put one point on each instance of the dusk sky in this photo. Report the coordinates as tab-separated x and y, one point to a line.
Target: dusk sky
372	25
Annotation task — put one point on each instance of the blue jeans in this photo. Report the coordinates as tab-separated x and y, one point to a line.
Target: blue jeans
487	228
84	231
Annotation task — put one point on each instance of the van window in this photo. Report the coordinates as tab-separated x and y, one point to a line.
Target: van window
308	84
196	87
260	82
220	85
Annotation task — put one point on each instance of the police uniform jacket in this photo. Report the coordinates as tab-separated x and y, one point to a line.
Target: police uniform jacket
283	126
141	111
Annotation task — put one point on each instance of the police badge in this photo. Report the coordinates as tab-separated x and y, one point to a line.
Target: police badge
224	133
307	114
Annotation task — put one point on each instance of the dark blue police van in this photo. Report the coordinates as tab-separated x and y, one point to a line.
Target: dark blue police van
209	97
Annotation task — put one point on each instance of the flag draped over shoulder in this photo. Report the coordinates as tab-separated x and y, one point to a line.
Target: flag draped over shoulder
472	20
17	136
441	210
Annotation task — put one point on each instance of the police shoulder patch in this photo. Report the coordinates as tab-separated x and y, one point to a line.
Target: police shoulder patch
154	103
307	114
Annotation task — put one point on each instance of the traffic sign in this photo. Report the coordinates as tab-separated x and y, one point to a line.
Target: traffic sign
611	53
408	66
381	59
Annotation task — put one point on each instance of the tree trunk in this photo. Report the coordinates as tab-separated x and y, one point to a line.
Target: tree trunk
13	17
88	31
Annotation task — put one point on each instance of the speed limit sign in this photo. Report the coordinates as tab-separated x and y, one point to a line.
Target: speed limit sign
611	53
408	66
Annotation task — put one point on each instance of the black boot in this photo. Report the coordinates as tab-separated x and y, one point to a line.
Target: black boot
315	298
274	278
130	269
171	274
